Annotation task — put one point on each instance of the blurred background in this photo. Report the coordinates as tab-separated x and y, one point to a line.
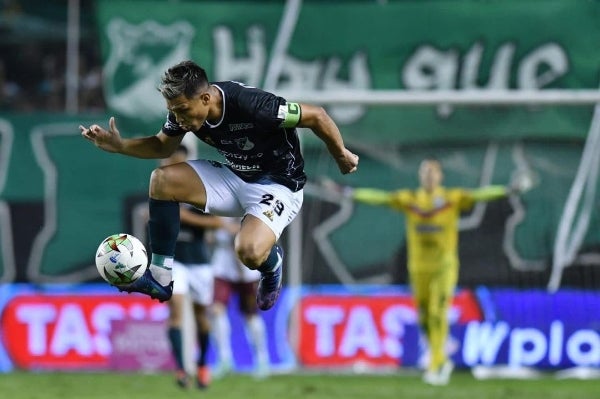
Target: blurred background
529	279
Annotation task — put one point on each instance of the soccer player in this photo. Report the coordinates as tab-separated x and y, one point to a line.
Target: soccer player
192	275
261	180
432	215
230	276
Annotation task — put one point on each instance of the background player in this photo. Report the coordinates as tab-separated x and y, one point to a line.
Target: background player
262	179
432	215
231	277
192	276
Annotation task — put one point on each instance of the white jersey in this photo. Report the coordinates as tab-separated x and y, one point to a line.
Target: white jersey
225	264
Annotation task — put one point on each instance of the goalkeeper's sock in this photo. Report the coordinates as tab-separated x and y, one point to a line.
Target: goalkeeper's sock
164	228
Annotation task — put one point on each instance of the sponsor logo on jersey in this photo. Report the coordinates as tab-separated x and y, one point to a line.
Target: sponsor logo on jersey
245	168
234	127
428	228
244	157
439	202
244	143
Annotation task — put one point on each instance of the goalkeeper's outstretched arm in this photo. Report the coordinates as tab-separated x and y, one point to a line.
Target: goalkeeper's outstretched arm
490	193
371	196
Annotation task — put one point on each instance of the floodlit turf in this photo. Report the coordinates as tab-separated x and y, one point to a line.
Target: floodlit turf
23	385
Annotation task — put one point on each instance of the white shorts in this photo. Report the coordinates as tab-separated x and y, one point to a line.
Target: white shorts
195	280
228	195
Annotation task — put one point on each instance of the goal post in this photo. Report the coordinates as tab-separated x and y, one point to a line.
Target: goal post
451	97
575	217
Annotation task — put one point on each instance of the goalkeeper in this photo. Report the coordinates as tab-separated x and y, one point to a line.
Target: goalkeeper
432	215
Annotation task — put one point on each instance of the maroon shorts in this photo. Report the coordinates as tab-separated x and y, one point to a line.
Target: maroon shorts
246	291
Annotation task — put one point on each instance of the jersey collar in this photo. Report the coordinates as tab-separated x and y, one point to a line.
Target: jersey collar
222	113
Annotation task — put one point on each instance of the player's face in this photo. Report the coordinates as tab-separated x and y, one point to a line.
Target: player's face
430	174
190	112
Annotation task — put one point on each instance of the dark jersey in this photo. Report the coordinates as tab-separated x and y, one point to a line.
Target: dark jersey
254	135
191	247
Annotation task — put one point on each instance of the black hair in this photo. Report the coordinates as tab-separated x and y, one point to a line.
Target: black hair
186	77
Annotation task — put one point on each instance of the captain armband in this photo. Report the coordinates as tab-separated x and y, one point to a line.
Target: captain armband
290	114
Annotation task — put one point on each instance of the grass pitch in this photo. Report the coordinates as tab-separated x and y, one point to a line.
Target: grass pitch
22	385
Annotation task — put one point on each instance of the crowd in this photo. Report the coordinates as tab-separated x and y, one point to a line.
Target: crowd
33	63
35	81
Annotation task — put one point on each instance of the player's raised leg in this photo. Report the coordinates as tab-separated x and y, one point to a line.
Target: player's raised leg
271	277
169	185
256	248
270	208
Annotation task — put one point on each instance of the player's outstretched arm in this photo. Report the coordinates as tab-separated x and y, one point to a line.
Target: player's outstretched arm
317	119
110	140
369	196
489	193
520	184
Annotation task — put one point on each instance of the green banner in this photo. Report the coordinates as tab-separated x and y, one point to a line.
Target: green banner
408	45
59	195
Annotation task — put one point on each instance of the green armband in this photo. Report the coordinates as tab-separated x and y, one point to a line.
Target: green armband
290	114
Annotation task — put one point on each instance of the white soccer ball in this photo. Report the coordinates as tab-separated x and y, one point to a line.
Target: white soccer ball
121	259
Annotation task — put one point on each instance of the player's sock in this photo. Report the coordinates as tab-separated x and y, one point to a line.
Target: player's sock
176	341
255	326
271	262
203	341
164	228
437	340
203	378
222	334
269	285
161	268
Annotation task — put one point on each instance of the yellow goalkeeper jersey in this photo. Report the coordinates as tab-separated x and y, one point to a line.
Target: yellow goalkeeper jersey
431	220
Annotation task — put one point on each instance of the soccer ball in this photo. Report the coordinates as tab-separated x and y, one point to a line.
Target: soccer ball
121	259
